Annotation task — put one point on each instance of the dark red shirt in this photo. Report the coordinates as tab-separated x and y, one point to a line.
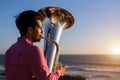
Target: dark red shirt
25	61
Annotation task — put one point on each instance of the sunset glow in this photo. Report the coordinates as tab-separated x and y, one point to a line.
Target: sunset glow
116	51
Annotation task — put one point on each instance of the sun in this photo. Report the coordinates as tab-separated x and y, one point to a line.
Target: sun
117	50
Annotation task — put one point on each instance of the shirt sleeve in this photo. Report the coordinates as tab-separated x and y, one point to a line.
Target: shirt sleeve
38	66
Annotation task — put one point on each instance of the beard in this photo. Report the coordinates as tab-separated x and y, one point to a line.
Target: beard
37	39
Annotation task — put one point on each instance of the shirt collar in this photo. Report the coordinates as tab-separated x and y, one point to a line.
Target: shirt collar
24	39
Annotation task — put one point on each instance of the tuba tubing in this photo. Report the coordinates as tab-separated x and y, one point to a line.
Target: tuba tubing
55	20
56	53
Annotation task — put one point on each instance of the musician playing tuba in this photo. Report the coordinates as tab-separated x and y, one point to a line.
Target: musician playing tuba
24	60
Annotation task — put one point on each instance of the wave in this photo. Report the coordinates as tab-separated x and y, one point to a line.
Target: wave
99	68
94	72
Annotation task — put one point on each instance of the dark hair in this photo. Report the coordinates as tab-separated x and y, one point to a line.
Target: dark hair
25	20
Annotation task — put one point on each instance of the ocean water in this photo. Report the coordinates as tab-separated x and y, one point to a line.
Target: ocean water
93	67
2	68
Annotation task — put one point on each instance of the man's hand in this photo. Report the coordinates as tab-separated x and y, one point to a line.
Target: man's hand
62	68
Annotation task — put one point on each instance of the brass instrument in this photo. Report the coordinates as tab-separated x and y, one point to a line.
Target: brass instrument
55	20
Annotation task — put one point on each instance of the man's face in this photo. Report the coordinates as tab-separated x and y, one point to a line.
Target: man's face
37	32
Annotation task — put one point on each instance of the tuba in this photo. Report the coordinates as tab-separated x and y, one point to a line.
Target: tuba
55	20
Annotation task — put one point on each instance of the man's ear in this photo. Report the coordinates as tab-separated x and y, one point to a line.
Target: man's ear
30	30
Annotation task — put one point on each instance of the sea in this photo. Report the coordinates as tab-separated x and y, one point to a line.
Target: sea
92	67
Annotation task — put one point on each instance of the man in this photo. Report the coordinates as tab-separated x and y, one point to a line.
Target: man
25	61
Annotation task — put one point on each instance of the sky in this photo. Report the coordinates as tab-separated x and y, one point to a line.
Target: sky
96	29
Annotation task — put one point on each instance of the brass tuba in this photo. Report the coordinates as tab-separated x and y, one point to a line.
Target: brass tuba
55	20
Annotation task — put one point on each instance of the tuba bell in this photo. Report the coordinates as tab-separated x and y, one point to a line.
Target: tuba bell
55	20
